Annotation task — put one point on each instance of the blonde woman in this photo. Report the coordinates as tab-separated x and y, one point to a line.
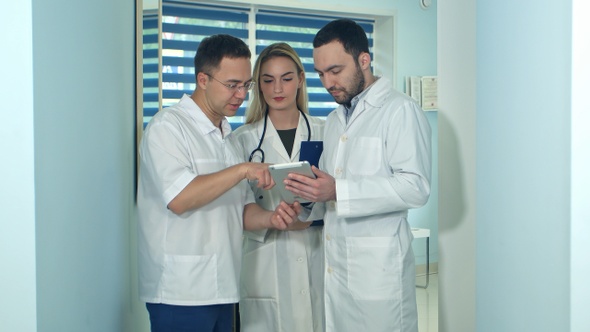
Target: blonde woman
282	271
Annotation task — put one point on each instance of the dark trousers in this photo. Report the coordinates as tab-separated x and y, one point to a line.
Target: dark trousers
177	318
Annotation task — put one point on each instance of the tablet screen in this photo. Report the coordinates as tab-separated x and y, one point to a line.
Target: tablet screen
279	173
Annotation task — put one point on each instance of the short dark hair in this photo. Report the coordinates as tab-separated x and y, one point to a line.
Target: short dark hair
214	48
349	33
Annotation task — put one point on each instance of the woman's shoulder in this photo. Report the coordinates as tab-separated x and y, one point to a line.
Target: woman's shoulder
245	129
316	120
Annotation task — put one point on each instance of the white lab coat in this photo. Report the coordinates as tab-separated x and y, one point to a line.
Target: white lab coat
381	161
281	283
193	258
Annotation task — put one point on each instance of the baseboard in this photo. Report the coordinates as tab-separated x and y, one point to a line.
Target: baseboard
421	269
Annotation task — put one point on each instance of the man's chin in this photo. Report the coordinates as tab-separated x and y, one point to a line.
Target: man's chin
342	101
229	112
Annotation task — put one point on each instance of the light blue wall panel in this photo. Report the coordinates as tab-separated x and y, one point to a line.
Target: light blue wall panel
523	165
83	55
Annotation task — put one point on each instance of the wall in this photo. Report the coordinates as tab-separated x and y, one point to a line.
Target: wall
84	162
17	192
524	217
457	176
580	178
65	241
523	166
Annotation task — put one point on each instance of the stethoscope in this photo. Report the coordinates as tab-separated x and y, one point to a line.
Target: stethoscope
259	147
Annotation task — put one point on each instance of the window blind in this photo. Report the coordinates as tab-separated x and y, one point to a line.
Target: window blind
298	30
185	24
151	92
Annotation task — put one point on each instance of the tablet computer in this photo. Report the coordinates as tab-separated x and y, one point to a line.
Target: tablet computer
279	173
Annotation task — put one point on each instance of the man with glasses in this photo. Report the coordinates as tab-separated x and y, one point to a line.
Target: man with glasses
192	200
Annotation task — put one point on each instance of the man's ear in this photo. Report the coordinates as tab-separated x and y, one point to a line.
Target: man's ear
202	80
364	60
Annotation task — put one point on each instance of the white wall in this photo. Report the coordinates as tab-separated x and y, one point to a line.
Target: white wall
17	192
580	179
457	119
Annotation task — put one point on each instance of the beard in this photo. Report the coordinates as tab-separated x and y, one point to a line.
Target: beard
354	89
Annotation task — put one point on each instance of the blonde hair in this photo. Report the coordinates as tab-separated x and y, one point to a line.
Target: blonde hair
257	106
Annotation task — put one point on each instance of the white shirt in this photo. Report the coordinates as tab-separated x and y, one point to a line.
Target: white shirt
193	258
381	160
282	271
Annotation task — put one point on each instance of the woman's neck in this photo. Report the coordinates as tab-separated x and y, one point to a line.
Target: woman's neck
284	119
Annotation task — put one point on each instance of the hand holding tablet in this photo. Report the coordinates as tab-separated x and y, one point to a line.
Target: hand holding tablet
279	173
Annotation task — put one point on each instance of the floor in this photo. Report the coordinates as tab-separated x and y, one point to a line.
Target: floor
427	301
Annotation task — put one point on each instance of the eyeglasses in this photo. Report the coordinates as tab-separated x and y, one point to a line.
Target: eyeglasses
234	87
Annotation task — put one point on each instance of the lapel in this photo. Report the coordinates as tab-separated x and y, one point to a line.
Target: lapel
273	141
378	94
274	145
300	135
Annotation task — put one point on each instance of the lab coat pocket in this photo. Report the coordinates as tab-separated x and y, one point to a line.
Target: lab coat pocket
365	156
259	315
180	275
259	264
374	267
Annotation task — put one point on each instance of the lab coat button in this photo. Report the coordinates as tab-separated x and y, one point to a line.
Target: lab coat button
328	238
300	259
343	138
330	270
303	292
